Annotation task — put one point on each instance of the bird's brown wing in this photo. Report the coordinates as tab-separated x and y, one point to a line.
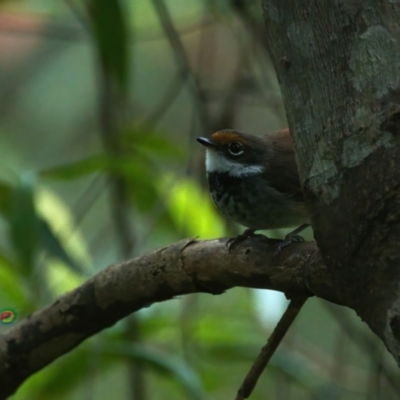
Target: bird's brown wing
282	174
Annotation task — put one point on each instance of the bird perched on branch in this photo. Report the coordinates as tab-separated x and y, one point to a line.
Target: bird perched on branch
254	181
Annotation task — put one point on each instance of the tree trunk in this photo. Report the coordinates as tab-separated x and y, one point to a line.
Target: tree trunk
338	64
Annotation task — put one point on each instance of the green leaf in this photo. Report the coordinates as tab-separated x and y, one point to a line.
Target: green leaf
139	175
111	34
54	248
121	166
61	377
153	143
161	362
5	197
7	262
13	291
29	232
78	169
24	222
184	198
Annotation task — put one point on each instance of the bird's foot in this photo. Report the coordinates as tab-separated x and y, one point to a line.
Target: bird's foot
233	242
289	239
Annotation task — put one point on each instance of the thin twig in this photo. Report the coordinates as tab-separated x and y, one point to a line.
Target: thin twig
182	60
171	94
268	350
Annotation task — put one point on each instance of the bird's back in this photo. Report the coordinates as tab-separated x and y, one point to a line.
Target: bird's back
281	175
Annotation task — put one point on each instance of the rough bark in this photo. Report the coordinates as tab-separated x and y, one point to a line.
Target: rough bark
338	64
185	267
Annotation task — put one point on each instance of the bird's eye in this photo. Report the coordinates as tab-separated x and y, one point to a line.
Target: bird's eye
236	149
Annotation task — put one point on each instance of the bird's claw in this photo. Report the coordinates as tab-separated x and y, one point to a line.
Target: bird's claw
233	242
289	239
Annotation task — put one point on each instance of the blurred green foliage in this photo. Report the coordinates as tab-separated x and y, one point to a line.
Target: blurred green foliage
56	227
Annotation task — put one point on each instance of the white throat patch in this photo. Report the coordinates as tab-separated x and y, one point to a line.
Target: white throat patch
216	162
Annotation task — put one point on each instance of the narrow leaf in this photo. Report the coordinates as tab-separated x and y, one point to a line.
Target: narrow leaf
164	363
24	223
111	34
54	248
78	169
5	196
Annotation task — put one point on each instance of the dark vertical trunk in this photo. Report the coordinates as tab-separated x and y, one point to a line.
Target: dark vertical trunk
338	64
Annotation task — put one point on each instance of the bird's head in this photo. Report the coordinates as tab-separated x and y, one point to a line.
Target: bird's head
236	153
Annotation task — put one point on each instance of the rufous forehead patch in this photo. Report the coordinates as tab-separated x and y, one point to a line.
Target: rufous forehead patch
227	136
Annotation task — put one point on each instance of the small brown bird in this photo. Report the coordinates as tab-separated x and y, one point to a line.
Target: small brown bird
254	181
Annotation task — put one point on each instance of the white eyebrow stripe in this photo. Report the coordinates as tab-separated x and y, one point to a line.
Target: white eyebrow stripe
218	163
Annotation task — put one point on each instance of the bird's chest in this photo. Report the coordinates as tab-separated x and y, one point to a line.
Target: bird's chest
232	196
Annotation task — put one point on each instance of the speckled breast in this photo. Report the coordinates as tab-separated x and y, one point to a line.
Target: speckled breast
251	202
232	197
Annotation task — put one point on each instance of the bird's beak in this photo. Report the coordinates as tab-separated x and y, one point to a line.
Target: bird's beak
206	142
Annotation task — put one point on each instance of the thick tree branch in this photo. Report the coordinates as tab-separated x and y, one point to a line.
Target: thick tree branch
185	267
